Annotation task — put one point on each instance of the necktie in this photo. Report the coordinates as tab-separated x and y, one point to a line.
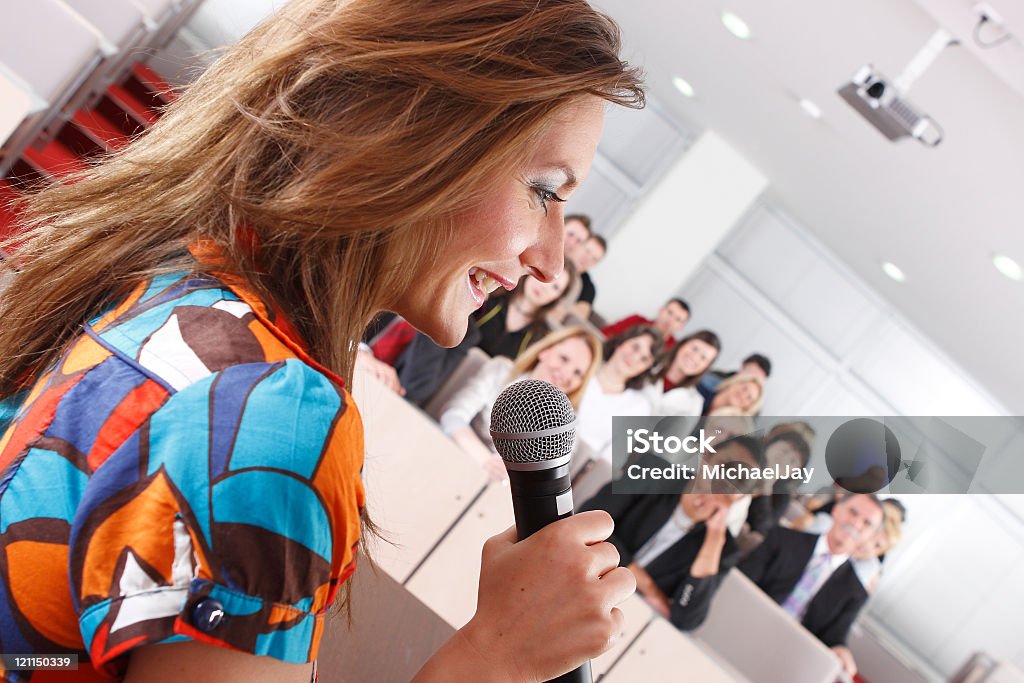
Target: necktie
807	586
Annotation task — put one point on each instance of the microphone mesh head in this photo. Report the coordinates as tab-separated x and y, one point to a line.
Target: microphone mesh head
529	406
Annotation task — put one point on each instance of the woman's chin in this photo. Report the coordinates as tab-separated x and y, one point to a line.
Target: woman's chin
443	332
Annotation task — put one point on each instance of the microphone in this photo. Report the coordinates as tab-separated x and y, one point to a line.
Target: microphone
533	427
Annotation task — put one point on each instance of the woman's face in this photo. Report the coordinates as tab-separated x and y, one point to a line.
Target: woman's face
518	230
565	364
875	545
740	395
539	294
693	358
575	233
634	356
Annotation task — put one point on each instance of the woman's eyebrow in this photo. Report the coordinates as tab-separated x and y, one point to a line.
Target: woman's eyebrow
570	175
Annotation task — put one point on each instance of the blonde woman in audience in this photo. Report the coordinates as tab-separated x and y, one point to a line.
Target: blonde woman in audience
867	560
682	372
567	359
738	395
618	387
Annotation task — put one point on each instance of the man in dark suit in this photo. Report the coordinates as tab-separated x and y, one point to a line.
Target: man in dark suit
678	546
810	575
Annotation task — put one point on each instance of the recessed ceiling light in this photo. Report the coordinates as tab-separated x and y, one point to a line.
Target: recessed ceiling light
893	271
1008	267
736	26
683	86
810	108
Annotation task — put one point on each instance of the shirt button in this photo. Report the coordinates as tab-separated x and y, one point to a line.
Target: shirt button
207	615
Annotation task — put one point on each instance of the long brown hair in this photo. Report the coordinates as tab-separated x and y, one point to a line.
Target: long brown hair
323	154
706	336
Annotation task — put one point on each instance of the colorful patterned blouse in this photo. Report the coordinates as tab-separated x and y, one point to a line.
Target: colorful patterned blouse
186	471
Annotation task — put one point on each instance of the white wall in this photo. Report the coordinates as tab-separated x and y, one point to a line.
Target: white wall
675	227
837	347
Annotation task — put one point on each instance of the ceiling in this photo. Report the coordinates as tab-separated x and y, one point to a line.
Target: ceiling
939	214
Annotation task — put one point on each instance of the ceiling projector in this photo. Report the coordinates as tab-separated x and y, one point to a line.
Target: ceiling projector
881	104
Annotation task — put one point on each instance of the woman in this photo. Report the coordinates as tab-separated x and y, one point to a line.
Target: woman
682	372
567	359
868	558
178	340
618	387
509	324
738	395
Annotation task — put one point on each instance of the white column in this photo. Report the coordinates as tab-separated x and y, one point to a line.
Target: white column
677	225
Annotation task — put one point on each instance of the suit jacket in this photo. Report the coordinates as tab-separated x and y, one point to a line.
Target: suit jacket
638	517
777	565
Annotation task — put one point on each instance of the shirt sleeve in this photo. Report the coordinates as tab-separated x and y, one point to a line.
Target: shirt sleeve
692	598
476	395
230	517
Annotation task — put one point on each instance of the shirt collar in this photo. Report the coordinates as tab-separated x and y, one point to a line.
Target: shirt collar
821	550
273	319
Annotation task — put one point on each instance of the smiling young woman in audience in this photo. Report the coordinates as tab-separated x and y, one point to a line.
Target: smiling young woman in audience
567	359
177	341
738	395
618	386
682	372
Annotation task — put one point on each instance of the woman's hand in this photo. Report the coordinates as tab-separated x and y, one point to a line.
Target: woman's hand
488	460
385	374
547	604
495	468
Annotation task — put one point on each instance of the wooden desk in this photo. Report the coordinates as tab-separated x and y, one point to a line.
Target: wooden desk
447	582
418	481
747	629
637	616
392	633
662	654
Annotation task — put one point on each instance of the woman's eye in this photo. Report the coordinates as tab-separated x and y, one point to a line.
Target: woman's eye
544	195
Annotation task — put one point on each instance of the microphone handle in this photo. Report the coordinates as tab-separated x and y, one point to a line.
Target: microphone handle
538	499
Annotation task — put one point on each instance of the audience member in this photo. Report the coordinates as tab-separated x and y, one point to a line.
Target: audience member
509	322
810	575
585	256
577	230
567	359
868	558
754	365
679	547
740	395
681	372
670	321
408	361
617	388
394	334
786	447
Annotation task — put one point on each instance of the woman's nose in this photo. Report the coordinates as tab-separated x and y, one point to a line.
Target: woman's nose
545	258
